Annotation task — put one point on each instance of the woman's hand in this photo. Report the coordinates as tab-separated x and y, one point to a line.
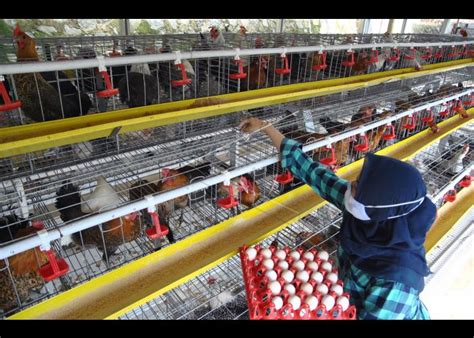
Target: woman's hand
252	124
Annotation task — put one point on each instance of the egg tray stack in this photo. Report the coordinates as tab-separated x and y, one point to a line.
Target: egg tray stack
293	285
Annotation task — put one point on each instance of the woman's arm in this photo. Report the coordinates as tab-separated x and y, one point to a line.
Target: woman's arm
326	184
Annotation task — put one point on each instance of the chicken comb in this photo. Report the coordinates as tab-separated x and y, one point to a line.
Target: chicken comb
17	31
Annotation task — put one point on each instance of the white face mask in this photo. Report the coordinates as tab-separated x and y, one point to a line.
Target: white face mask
357	209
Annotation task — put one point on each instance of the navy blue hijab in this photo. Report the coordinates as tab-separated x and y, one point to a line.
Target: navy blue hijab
389	248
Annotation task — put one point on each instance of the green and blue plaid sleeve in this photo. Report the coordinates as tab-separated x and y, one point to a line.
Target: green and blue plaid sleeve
326	184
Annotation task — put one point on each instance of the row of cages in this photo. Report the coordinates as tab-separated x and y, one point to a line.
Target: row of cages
50	95
69	184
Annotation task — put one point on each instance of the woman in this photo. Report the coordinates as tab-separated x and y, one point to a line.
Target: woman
386	216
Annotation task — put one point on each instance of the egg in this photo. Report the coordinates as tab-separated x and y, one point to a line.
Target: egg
332	277
268	263
298	265
251	253
308	255
312	266
328	301
295	301
317	276
344	302
322	289
302	276
284	265
295	255
288	276
326	266
306	288
278	301
274	287
337	289
312	302
271	275
290	288
280	254
267	253
323	255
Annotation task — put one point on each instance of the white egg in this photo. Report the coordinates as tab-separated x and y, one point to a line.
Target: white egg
268	263
323	255
332	277
312	266
251	253
271	275
295	301
326	266
344	302
312	302
337	289
290	288
322	289
284	265
274	287
328	301
288	276
306	288
295	255
278	302
298	265
302	276
280	254
267	253
308	255
317	276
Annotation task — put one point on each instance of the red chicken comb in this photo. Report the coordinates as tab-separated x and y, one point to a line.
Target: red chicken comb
165	172
17	31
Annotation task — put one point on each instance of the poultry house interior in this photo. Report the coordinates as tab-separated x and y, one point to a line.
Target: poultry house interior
95	205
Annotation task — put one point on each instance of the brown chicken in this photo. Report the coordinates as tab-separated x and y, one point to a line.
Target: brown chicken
244	187
110	237
309	240
40	100
256	74
24	271
362	63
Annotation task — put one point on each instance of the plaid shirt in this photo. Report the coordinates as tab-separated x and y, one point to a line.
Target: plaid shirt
374	298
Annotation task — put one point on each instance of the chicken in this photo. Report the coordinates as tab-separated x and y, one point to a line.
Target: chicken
309	240
23	267
244	187
362	63
256	74
138	88
106	237
175	178
41	100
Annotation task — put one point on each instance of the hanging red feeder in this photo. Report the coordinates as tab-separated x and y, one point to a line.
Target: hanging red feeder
322	62
427	54
331	160
446	111
374	56
364	145
285	178
7	102
450	196
410	122
349	62
395	54
453	53
411	54
389	132
55	268
158	230
429	118
184	81
229	201
466	181
108	91
286	69
240	74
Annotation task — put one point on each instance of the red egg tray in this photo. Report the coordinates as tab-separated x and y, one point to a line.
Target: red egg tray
259	296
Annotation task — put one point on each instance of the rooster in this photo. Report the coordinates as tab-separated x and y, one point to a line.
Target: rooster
23	267
41	100
106	237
